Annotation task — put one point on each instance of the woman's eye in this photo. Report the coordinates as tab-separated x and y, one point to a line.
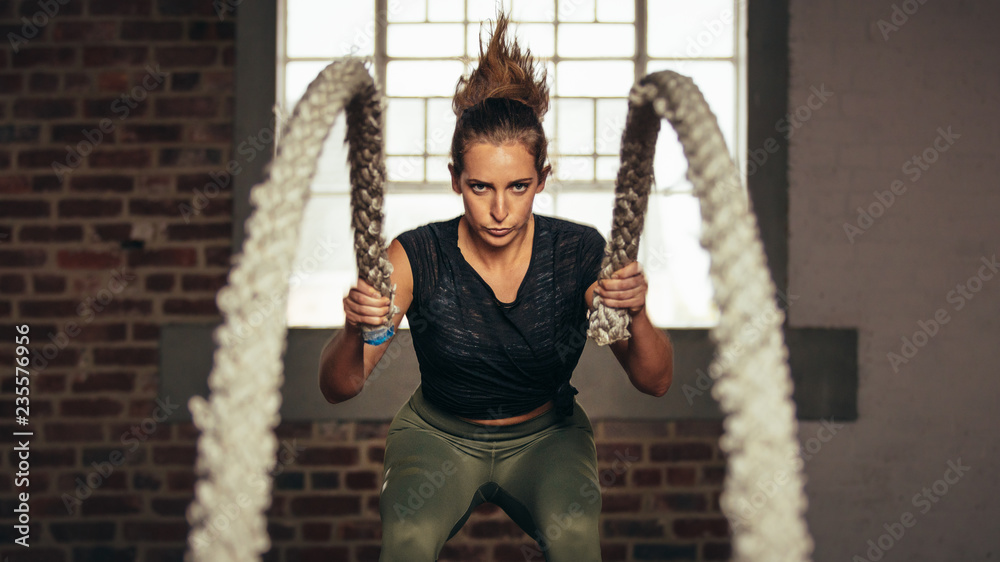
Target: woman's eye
477	187
520	186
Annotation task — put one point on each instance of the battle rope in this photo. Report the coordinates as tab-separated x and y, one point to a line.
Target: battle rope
237	446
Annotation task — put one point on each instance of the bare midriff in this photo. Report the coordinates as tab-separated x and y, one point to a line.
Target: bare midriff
516	419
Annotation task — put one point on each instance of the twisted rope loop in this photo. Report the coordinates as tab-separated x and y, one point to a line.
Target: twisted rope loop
237	446
755	392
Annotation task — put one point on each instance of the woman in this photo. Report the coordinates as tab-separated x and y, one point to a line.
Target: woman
497	302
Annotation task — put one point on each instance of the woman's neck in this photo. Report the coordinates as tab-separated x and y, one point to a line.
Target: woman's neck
493	258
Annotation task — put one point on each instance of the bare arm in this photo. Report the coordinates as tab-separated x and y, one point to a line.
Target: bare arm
346	361
647	356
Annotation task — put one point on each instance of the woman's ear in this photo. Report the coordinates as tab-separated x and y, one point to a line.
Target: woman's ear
454	180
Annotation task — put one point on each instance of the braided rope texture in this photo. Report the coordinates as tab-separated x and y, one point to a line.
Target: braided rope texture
237	446
755	392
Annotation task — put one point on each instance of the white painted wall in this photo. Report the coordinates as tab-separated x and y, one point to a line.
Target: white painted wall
892	91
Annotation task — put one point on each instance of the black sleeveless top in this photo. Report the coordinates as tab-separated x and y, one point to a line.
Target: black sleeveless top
481	358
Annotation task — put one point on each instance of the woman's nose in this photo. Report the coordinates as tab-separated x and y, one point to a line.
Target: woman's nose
499	209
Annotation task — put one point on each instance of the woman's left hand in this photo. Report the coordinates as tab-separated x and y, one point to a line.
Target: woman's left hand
625	289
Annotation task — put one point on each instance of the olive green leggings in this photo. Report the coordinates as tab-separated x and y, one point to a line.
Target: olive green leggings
541	472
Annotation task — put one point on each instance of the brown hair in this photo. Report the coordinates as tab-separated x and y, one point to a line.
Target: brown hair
501	101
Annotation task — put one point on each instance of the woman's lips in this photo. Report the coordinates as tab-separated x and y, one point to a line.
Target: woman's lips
498	232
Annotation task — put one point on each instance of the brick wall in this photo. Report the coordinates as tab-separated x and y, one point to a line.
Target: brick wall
133	102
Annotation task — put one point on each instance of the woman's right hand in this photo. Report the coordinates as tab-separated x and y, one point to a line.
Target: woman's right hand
363	305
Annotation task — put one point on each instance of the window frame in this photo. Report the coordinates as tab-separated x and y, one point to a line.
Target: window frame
823	361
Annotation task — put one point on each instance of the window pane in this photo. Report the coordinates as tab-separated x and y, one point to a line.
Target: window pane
446	10
577	10
611	115
679	28
404	211
481	10
591	208
576	126
319	28
596	40
425	40
332	172
422	78
437	169
534	10
440	126
595	78
405	10
539	37
717	82
607	167
404	126
570	168
615	10
405	168
298	76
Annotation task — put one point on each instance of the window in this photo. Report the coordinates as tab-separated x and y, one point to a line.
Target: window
593	51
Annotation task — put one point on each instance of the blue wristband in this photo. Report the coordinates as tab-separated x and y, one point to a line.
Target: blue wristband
378	335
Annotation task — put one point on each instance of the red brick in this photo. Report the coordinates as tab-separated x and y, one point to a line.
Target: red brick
184	81
46	184
359	530
229	56
699	528
85	32
716	551
680	502
126	356
151	133
73	432
85	259
117	8
102	333
47	457
50	108
316	531
160	282
113	81
191	8
12	284
120	159
44	57
39	158
643	528
212	31
114	56
173	57
66	233
621	452
89	207
698	428
493	529
104	382
181	481
617	503
14	184
361	480
81	133
112	108
155	531
47	284
116	184
183	455
21	134
115	481
103	531
203	282
713	475
325	506
184	208
91	407
172	257
219	256
43	83
146	31
49	384
204	183
191	306
116	231
145	332
10	83
199	231
680	452
340	456
318	554
22	258
187	106
190	157
210	133
77	82
24	208
112	505
647	476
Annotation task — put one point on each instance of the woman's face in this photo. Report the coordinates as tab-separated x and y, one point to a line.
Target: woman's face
498	187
